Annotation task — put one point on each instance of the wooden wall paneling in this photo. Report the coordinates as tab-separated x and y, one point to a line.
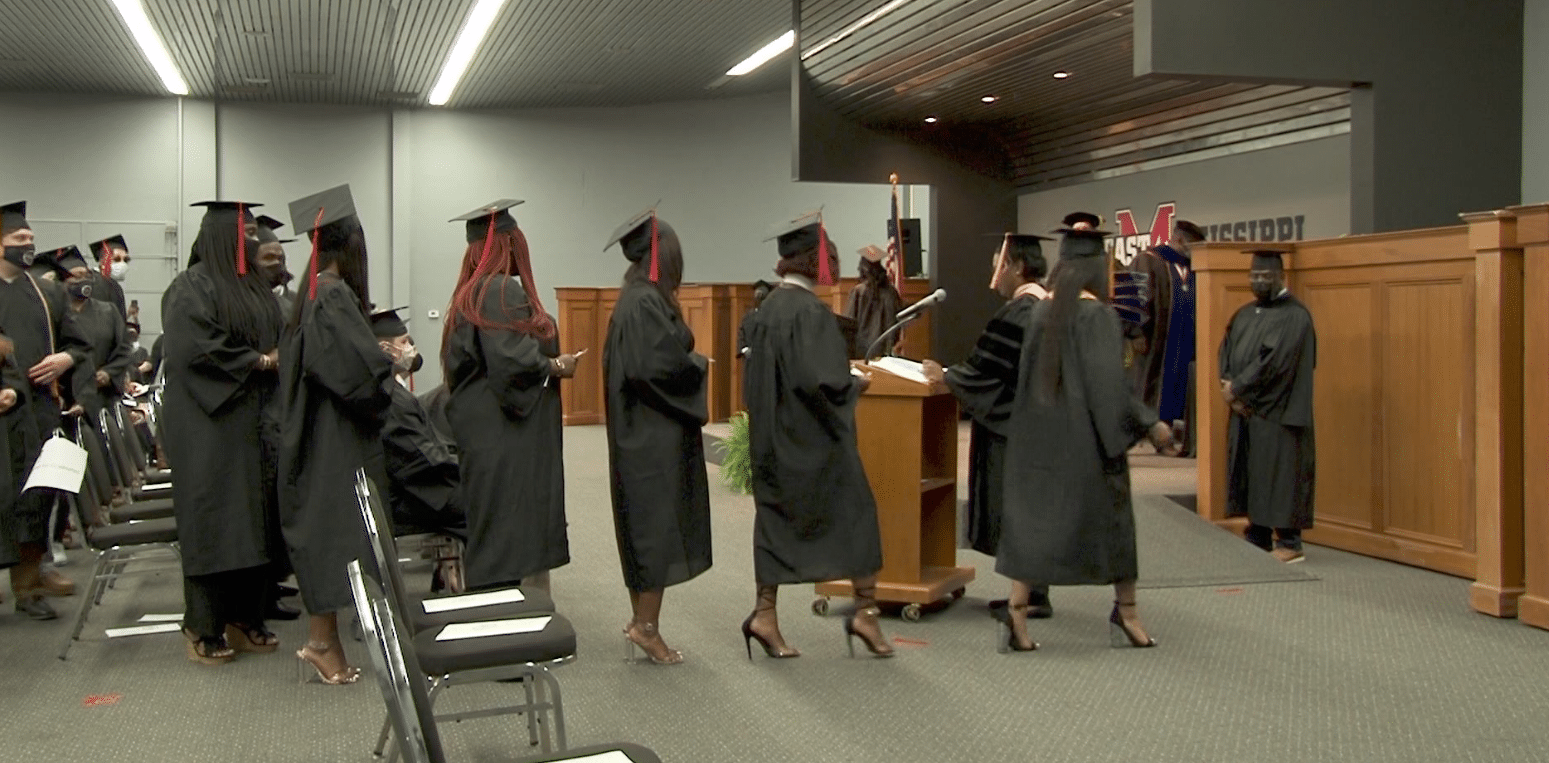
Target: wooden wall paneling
1533	237
706	312
1498	580
1345	399
583	326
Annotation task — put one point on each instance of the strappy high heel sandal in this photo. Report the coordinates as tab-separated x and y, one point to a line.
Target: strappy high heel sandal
774	646
1006	633
1119	633
256	640
208	651
866	607
650	644
312	655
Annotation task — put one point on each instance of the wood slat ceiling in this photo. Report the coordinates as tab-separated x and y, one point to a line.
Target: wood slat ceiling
539	54
940	57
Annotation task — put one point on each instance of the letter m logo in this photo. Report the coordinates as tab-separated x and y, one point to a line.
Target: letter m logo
1161	223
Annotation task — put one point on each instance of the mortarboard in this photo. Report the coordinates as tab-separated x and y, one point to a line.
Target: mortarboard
266	228
70	257
13	216
802	234
492	218
1082	221
1193	231
230	213
1267	259
310	213
1077	243
871	253
637	238
103	251
386	324
59	261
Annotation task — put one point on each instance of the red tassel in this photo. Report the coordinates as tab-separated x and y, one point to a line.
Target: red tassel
241	243
656	270
312	269
489	245
107	261
825	276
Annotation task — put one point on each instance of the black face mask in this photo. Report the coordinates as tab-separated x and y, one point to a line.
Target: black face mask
79	289
21	256
419	362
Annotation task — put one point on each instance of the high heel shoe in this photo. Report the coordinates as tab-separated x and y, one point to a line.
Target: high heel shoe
311	655
208	651
883	649
781	652
244	638
649	634
1119	634
1006	636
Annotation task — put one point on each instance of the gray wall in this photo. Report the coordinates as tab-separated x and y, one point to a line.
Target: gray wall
1535	102
1308	179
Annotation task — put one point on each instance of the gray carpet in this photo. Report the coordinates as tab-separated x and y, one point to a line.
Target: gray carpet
1377	662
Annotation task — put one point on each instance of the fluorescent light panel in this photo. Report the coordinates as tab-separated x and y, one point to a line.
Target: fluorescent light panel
474	30
780	45
151	45
869	18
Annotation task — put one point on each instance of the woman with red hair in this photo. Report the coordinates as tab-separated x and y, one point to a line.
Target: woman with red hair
500	354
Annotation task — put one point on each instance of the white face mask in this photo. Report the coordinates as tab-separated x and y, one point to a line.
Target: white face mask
119	270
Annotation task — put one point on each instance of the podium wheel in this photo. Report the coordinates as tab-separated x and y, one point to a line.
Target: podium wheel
820	606
912	613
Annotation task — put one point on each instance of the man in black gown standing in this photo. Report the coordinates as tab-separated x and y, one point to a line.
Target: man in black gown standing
112	255
1267	362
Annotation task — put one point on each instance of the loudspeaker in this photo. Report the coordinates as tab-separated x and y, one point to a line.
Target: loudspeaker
913	265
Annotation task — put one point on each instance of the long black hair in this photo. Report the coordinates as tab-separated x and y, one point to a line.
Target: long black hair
342	242
874	273
243	303
1069	279
669	275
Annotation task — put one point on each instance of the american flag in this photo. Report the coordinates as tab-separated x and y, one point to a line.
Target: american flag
895	247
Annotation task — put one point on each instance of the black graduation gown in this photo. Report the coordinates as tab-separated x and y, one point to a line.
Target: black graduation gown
874	307
656	407
18	439
816	517
334	387
1068	518
985	386
421	468
107	291
212	408
506	416
110	351
1269	354
435	407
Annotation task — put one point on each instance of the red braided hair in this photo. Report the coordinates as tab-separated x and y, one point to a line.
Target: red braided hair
490	262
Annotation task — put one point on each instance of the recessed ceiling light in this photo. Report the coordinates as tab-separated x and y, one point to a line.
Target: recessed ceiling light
989	99
1061	74
930	120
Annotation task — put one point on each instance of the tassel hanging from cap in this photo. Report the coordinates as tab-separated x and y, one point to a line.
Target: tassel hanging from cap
312	268
489	245
825	275
107	260
656	270
241	242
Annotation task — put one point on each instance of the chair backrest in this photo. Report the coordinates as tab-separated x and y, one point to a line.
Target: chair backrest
397	671
131	437
97	467
384	550
127	472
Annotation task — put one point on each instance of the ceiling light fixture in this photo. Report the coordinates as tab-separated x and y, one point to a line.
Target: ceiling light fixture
151	45
989	99
1062	74
853	28
930	120
780	45
474	30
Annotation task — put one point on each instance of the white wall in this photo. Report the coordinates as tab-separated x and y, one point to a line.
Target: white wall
1535	102
1310	179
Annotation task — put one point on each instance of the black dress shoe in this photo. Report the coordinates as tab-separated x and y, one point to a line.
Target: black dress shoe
278	611
35	607
281	590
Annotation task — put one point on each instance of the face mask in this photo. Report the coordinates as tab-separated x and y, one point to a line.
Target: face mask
419	362
79	290
118	271
406	359
21	256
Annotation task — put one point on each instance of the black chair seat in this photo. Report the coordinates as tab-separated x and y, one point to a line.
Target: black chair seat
156	476
438	658
537	602
151	492
134	533
159	508
634	752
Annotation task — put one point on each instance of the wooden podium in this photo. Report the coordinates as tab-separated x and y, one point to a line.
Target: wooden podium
907	433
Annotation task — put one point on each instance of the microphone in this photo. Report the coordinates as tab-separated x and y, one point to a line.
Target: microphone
935	298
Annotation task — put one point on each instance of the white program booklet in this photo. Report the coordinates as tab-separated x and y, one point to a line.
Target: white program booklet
162	618
459	631
60	466
902	367
471	600
141	630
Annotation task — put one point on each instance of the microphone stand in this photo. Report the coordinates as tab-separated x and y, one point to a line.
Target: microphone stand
891	330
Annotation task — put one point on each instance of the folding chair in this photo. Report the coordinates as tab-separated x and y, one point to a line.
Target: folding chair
522	656
100	461
396	666
142	462
133	477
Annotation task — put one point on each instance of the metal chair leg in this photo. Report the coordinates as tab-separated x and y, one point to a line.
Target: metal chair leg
557	708
93	595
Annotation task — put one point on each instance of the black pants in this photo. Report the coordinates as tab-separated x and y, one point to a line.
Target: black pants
236	596
1267	538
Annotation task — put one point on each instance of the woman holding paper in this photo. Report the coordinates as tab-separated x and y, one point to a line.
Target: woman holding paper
500	354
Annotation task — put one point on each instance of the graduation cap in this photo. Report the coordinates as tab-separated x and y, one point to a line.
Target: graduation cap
231	213
1078	243
266	228
13	216
492	218
1082	221
311	213
871	253
386	324
637	238
59	261
803	234
104	251
1267	259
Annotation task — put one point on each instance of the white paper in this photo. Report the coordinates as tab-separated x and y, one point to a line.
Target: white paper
469	600
162	618
611	756
460	631
152	488
902	367
61	466
141	630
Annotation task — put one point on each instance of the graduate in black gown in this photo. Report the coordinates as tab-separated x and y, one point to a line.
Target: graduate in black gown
1267	361
112	260
816	517
102	325
335	387
655	387
873	304
222	361
761	290
48	347
1067	516
422	469
500	353
985	386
